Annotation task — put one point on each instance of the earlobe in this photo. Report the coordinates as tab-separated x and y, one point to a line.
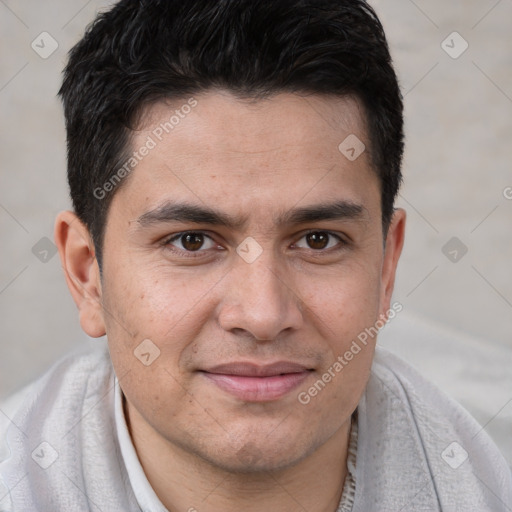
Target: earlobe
394	243
77	256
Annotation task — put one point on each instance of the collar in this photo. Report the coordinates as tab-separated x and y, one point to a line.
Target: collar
144	493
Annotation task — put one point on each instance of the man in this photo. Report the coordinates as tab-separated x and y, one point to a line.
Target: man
233	167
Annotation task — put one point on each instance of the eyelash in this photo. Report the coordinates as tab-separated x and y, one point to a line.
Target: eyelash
200	252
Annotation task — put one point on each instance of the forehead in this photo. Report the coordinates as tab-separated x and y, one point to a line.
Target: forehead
228	123
273	153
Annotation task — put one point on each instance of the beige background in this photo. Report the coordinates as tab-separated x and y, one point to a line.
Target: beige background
457	319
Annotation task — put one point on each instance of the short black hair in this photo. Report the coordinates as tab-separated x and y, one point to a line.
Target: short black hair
144	51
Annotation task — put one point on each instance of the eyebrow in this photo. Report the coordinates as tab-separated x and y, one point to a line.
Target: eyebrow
339	210
186	212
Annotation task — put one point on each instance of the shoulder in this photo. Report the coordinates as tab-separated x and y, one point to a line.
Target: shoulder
8	409
69	380
426	400
425	433
63	423
431	408
76	367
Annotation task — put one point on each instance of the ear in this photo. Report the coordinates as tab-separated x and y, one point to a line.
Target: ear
78	259
394	243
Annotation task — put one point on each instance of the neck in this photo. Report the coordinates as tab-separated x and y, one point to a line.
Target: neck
184	481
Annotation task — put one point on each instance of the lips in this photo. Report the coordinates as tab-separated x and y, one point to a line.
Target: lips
257	383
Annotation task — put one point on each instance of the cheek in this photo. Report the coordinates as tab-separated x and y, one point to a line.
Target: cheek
344	308
345	301
157	303
154	319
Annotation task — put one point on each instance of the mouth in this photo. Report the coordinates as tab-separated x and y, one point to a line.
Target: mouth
251	382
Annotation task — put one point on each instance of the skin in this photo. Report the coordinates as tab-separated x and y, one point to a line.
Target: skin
200	446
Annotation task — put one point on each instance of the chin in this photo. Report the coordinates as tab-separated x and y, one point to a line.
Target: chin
258	457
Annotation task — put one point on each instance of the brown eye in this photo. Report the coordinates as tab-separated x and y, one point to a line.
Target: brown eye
192	241
318	240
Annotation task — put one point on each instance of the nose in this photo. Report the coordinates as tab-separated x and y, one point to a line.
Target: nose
259	300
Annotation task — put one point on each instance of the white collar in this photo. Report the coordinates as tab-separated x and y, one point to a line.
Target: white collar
144	493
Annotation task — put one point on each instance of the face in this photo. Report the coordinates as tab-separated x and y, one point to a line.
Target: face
245	252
